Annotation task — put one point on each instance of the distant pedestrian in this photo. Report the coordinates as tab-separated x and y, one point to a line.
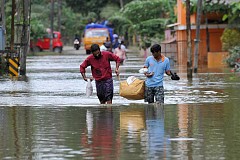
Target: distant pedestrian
101	72
121	53
123	47
108	44
115	41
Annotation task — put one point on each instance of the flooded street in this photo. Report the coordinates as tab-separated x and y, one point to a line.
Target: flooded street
49	116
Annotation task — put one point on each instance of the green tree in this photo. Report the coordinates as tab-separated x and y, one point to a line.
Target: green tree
71	23
234	56
233	15
230	39
85	6
139	11
144	18
109	10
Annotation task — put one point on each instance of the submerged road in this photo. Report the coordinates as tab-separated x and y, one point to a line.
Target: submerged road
54	80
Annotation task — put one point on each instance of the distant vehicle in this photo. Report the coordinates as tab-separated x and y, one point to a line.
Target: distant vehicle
44	43
96	34
76	44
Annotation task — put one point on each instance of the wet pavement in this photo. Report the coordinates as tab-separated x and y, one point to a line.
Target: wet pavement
49	116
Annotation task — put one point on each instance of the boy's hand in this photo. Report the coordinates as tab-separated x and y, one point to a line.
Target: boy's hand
149	74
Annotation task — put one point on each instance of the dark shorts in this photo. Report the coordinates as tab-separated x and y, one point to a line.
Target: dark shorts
105	90
151	92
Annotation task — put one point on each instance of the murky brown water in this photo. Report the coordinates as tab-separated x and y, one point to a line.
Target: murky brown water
49	117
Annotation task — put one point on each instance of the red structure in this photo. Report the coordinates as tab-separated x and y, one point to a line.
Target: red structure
210	37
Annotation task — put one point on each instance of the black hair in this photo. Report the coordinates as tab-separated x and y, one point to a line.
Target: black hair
155	48
94	47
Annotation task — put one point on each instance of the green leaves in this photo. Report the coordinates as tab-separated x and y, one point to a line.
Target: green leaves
230	39
145	18
230	42
234	55
138	11
152	27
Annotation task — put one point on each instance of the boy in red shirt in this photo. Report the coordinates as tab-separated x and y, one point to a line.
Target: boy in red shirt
101	72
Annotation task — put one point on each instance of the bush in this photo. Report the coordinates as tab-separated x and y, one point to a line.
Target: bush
230	39
234	56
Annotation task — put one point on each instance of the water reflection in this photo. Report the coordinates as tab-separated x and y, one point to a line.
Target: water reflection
137	131
155	135
143	131
99	139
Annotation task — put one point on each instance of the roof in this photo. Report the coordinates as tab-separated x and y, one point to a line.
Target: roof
172	25
169	40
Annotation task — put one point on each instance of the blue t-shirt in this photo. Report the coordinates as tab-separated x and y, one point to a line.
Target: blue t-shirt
159	68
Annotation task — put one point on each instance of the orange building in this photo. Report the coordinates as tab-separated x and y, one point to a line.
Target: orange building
210	49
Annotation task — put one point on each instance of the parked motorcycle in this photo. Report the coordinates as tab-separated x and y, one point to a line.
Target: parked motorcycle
76	44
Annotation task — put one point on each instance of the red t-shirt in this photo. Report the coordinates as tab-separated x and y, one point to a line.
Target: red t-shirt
101	68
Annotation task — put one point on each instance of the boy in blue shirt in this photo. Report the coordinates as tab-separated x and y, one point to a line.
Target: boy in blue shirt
157	65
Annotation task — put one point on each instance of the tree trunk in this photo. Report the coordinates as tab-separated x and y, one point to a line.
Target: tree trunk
207	35
52	19
189	44
59	14
121	3
25	36
197	40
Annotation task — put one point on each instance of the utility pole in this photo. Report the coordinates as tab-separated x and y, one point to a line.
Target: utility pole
25	36
197	40
2	35
52	19
2	24
12	25
189	44
2	12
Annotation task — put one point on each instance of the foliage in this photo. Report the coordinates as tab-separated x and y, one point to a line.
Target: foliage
230	9
219	7
85	6
138	11
109	10
71	23
233	15
38	28
234	55
209	6
91	17
145	18
231	43
8	11
121	24
152	27
230	39
40	21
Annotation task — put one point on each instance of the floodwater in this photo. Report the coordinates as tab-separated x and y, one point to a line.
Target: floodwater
48	116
